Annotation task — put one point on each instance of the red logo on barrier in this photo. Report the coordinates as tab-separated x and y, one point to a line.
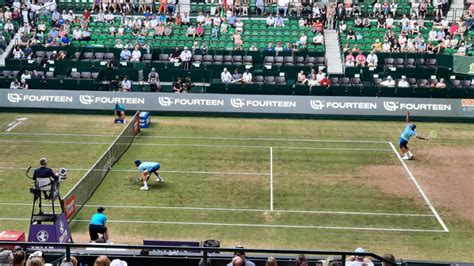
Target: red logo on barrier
136	125
70	206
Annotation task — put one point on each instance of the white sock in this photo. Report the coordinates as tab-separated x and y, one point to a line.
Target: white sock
145	184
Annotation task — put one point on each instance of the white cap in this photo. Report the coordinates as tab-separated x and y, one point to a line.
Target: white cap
360	250
118	262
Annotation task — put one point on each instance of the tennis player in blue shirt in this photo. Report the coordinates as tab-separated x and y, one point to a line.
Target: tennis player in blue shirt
147	168
405	137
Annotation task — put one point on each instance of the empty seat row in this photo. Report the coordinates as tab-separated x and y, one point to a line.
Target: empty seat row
411	63
308	61
215	59
11	74
270	80
83	75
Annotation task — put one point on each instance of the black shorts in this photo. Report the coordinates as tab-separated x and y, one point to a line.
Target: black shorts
95	230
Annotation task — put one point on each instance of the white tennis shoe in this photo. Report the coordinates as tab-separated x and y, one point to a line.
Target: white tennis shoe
406	158
144	189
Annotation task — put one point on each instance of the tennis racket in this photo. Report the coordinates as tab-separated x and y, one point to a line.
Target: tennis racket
433	134
135	180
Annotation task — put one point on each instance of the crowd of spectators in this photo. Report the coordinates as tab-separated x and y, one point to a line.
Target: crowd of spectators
313	79
406	34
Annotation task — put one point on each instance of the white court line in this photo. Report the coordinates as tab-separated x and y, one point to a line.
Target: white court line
271	179
190	145
204	138
423	194
235	210
162	171
253	225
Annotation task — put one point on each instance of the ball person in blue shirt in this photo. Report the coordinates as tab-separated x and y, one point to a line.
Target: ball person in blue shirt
405	137
119	112
146	169
97	225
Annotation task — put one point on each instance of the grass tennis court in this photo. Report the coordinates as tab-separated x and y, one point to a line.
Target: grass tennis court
268	183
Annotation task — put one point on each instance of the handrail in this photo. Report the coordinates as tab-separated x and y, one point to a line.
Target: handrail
205	250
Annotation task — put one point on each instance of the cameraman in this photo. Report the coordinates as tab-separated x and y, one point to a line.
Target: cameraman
45	172
154	80
187	85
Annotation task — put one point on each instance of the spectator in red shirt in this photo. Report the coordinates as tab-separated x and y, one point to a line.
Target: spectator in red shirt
86	15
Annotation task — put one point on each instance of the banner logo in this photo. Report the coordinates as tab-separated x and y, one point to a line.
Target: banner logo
14	97
85	99
70	206
390	106
237	102
42	236
316	104
471	69
165	101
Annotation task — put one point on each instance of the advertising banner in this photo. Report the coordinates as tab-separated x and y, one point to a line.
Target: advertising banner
234	103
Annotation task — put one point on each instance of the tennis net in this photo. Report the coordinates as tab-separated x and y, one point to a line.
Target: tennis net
83	190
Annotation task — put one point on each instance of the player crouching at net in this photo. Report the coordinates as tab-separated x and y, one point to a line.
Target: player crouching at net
119	112
405	137
147	168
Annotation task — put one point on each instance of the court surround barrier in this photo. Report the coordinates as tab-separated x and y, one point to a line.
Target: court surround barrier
264	105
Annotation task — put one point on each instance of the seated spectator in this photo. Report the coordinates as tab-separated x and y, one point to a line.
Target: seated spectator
200	18
168	31
325	81
301	78
358	22
359	260
77	33
351	34
200	31
160	30
119	44
350	60
320	76
303	40
318	39
232	20
396	47
224	27
270	21
19	258
462	48
441	84
86	35
389	82
377	46
377	9
25	75
346	48
271	261
302	22
36	75
239	26
372	59
366	22
178	86
125	55
389	22
318	26
236	77
191	32
126	86
360	59
240	256
65	40
301	260
386	46
226	77
237	41
247	77
24	85
278	48
403	83
439	48
174	56
27	52
381	22
18	53
102	261
6	257
15	84
279	21
154	80
185	19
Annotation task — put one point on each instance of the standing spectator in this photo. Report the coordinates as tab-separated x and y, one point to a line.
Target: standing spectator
185	58
154	80
282	6
340	12
226	77
19	258
97	225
